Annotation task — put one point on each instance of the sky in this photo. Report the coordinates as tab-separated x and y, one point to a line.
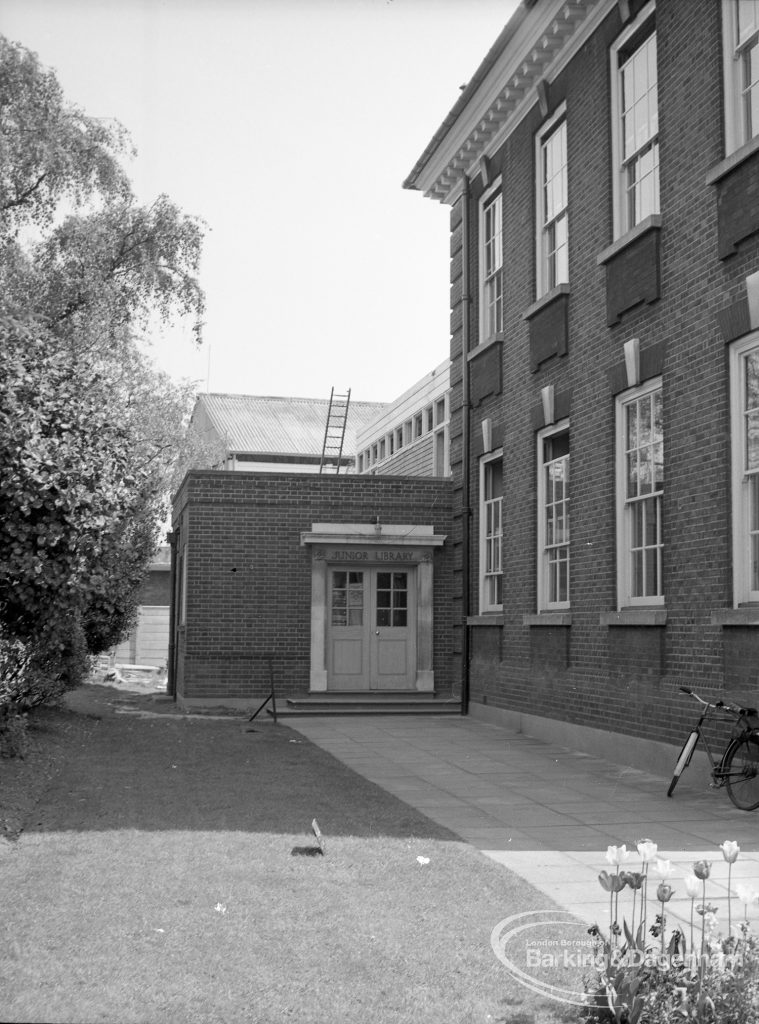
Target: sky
288	126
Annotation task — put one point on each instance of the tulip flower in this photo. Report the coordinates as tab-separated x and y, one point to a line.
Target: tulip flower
617	854
663	868
701	870
663	895
664	892
746	895
692	885
611	883
647	850
730	851
693	888
633	878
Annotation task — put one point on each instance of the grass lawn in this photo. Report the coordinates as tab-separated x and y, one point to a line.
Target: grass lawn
165	875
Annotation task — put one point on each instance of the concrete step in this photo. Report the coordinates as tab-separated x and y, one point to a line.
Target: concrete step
376	702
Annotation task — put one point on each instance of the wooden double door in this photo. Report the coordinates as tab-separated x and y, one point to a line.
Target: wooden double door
371	628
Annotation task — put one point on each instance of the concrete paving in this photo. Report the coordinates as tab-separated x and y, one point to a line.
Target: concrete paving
545	812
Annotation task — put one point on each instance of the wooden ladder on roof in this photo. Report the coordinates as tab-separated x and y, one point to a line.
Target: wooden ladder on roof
334	432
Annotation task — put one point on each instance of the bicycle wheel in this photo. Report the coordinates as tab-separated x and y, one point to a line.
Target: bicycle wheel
741	766
683	760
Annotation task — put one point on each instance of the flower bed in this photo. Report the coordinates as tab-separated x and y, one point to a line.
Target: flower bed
648	973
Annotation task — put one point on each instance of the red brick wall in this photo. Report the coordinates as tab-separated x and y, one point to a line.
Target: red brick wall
249	578
623	678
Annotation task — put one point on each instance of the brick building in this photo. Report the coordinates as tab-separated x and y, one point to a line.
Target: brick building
602	173
343	583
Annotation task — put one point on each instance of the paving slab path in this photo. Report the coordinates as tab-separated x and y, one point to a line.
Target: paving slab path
544	811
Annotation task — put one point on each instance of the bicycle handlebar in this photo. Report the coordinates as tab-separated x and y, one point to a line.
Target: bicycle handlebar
721	705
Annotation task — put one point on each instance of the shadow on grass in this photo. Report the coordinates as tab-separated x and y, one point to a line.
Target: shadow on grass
178	773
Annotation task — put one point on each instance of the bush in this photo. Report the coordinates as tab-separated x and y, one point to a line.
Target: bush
38	669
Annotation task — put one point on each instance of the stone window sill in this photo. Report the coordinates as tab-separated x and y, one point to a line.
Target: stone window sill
724	167
653	222
545	300
483	346
548	619
485	620
635	617
746	616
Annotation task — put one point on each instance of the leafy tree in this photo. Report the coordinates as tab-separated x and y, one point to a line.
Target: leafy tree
89	431
49	150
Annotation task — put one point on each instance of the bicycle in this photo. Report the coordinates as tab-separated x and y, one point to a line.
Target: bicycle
738	768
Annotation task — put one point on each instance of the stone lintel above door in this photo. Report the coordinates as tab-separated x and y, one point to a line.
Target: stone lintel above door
374	534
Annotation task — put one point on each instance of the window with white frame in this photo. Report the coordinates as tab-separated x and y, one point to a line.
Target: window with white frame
744	385
740	31
553	517
635	123
552	243
440	447
640	492
491	534
491	264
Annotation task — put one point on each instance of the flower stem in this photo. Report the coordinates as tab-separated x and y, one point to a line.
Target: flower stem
662	925
703	940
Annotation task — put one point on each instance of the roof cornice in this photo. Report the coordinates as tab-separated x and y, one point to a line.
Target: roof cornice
536	44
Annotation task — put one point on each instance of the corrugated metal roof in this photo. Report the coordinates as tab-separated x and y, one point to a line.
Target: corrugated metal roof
261	425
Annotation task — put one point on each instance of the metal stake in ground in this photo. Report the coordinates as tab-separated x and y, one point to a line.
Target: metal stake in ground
319	837
271	697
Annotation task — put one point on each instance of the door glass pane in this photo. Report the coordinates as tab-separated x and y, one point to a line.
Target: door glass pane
392	599
347	598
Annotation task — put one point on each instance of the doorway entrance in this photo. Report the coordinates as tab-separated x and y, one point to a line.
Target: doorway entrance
371	628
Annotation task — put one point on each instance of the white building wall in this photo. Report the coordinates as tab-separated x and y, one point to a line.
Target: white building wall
410	438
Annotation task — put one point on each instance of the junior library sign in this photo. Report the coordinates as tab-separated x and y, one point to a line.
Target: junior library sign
372	555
